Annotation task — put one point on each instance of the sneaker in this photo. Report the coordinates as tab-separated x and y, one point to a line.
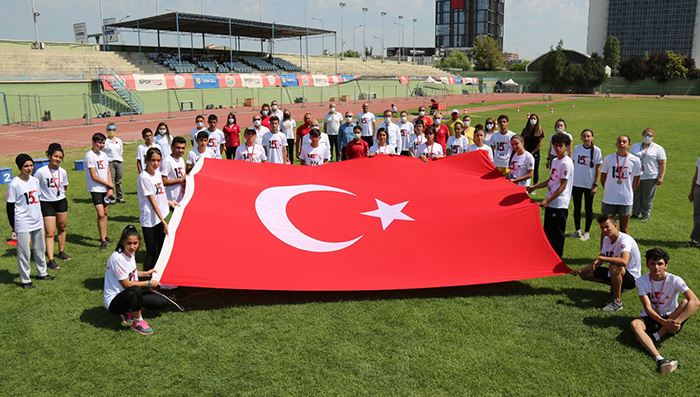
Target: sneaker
666	366
644	218
613	306
634	216
576	234
141	327
27	285
62	256
46	278
103	246
53	265
692	243
127	318
121	201
585	236
108	240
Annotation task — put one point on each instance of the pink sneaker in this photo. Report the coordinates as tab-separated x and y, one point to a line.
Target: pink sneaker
141	327
127	318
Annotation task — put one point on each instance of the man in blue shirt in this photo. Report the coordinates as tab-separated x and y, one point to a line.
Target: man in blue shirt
345	133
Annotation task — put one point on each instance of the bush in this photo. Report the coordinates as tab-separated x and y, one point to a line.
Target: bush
456	60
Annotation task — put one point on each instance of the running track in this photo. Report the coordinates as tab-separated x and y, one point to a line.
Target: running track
15	139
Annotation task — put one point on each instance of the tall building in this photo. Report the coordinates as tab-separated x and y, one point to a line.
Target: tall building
645	26
459	22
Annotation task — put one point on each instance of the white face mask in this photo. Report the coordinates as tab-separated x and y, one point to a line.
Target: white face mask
264	112
438	121
162	131
467	122
404	119
559	129
489	126
257	123
230	121
387	120
348	119
200	124
357	135
274	107
533	121
332	110
647	139
421	113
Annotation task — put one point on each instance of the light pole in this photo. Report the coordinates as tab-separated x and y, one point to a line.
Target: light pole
36	29
381	45
121	37
414	41
342	40
306	25
383	14
158	31
400	36
323	38
102	24
364	33
353	36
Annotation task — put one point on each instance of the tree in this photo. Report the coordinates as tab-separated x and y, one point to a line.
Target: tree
518	67
457	60
593	73
655	67
351	54
693	71
634	68
611	53
554	66
487	54
674	68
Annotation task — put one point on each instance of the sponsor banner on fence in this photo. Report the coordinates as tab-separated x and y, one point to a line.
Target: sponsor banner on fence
149	82
250	80
205	81
289	80
458	80
470	80
271	80
230	80
179	81
320	80
305	80
334	79
347	78
403	80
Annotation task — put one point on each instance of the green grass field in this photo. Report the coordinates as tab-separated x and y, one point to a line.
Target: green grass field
535	337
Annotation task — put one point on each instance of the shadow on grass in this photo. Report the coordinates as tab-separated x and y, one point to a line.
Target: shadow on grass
133	219
79	239
585	298
204	299
578	261
6	277
94	284
99	317
82	200
606	320
662	243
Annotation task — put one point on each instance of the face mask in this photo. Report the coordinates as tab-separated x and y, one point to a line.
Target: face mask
647	139
489	126
404	119
357	135
287	116
230	121
438	121
533	121
274	107
264	112
332	110
111	133
387	120
421	113
467	123
348	119
162	132
200	124
257	123
559	129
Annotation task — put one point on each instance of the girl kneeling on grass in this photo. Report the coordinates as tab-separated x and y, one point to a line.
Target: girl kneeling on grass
122	288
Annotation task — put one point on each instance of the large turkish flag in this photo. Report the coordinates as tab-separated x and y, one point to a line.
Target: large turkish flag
368	224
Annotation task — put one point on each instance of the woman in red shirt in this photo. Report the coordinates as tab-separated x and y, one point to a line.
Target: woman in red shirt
357	148
232	132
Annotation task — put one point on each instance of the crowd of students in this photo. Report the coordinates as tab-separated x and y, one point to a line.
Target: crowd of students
37	205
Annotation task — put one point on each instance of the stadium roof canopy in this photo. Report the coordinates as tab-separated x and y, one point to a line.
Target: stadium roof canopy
218	26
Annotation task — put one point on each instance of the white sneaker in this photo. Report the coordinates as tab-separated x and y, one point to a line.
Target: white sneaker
585	236
576	234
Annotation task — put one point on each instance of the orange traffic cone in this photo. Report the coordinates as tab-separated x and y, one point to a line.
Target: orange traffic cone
551	110
572	104
517	109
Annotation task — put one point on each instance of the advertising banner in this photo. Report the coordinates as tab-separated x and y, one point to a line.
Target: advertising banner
205	81
251	80
178	81
320	80
80	32
289	80
150	82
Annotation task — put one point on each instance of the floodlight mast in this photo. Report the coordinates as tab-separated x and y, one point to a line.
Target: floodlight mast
342	38
364	33
36	29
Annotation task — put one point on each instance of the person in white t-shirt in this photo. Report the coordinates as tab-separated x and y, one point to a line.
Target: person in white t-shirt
406	129
695	192
199	126
479	143
275	143
251	151
381	146
153	203
556	204
429	150
98	181
24	215
114	149
323	140
620	252
217	140
201	150
417	138
141	150
653	159
275	110
619	176
289	127
331	125
53	181
500	143
457	143
559	127
522	163
661	313
174	170
260	129
587	162
163	140
315	154
367	121
122	293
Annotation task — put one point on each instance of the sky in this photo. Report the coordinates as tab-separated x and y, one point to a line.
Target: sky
531	26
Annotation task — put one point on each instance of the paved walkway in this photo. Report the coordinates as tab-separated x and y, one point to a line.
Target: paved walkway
17	139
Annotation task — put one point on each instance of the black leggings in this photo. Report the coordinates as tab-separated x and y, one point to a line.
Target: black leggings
134	299
153	237
231	152
576	194
290	150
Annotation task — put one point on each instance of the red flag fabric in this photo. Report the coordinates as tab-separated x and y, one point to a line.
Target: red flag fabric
367	224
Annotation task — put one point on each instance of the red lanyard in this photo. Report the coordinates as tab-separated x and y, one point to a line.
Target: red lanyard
619	170
57	181
250	154
653	293
430	153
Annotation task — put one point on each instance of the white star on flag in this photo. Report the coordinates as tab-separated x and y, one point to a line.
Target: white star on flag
388	213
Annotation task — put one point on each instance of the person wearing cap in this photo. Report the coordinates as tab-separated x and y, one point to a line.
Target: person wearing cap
24	215
114	149
331	125
454	119
314	153
251	151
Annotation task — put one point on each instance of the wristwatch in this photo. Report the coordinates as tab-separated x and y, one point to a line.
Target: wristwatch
595	185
